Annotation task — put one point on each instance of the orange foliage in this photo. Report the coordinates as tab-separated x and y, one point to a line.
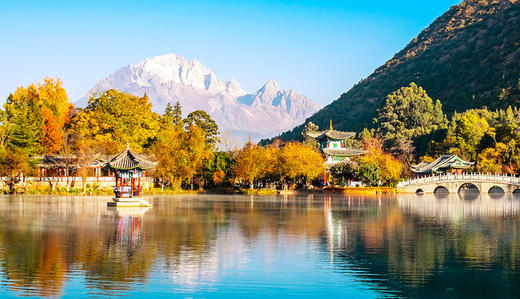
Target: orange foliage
391	168
52	138
55	108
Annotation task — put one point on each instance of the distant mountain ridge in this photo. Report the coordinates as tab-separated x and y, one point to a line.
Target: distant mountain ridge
467	58
170	78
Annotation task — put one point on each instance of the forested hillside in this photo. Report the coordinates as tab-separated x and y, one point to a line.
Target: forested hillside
467	58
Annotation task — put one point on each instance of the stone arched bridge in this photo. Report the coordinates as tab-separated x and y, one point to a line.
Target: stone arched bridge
454	183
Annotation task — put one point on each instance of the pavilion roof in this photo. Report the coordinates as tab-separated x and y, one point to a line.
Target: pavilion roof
347	151
443	162
128	160
332	134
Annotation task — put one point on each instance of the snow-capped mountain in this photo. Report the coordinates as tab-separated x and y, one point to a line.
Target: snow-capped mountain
172	78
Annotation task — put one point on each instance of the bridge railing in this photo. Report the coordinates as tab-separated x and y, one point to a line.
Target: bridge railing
498	178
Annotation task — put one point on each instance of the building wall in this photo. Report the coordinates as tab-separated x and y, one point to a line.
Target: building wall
74	182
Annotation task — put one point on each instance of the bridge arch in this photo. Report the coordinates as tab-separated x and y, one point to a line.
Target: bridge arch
441	190
469	188
496	190
419	191
516	192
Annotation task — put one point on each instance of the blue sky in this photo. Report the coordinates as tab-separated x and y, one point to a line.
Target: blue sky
320	48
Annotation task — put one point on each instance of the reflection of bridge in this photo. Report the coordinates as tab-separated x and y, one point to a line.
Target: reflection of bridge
454	183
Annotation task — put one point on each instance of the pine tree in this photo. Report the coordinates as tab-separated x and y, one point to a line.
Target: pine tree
177	115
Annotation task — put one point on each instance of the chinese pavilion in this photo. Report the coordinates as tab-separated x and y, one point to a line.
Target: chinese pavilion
128	168
332	144
442	165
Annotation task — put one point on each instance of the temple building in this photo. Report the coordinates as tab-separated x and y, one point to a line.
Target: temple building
443	165
62	166
332	145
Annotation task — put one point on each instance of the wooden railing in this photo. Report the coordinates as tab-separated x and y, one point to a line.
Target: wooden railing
497	178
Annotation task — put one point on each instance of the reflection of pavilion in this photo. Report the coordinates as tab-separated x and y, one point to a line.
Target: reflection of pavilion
128	230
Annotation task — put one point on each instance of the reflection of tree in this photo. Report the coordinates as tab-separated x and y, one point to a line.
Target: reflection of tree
422	248
193	240
44	241
37	261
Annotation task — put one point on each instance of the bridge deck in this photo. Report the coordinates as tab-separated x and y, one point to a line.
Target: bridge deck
453	182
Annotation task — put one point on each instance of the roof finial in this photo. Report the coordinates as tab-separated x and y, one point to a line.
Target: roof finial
331	124
127	145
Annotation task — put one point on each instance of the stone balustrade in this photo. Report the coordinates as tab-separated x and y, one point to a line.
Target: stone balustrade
499	178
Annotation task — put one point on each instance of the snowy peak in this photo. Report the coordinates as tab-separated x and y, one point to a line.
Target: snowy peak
270	86
170	78
173	69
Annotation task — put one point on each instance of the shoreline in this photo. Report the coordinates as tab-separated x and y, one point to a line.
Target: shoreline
220	191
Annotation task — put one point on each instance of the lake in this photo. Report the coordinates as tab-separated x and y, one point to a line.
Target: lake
262	246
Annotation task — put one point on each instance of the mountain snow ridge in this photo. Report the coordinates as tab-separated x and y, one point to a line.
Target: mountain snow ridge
170	78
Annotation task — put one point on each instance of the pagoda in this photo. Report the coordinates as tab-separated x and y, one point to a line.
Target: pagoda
332	145
128	168
445	164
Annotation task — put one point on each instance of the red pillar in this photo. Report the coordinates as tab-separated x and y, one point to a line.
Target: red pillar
132	188
139	186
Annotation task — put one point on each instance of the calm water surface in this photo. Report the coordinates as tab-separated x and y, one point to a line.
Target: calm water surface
233	246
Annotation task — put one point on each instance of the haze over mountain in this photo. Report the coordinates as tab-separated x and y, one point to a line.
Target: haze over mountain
467	58
170	78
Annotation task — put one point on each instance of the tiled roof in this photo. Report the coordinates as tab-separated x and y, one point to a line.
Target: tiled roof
127	160
443	162
333	134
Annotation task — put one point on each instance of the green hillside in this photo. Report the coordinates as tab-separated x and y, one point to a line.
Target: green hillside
467	58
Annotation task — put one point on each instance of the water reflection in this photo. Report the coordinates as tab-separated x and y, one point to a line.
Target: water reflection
293	245
430	246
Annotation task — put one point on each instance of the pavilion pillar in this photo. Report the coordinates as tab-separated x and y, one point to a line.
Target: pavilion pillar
139	186
132	188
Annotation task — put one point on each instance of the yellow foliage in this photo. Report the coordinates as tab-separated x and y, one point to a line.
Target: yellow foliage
491	160
248	167
298	159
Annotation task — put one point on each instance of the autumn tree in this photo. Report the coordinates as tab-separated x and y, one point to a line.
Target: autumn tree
390	168
247	167
183	149
300	161
37	115
270	163
491	160
171	157
198	149
114	118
